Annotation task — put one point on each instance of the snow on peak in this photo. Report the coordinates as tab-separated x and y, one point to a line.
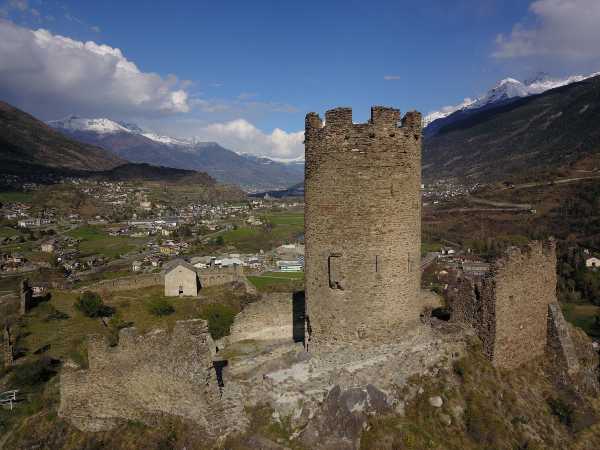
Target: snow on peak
165	139
506	89
107	126
100	126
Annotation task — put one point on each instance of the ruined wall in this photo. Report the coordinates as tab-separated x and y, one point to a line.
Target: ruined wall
508	307
148	375
216	277
362	224
522	285
560	348
268	319
126	283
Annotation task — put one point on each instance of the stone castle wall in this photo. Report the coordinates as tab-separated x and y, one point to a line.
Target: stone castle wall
148	375
217	277
208	277
269	319
509	307
362	223
126	283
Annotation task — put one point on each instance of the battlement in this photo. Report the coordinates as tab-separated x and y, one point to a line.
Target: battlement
381	117
540	250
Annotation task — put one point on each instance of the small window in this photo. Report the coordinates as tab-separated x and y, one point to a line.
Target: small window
334	267
377	264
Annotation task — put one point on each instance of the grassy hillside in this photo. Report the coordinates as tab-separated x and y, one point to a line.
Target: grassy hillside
25	139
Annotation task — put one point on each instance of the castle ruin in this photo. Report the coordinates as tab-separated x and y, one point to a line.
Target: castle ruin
514	309
147	375
362	224
363	298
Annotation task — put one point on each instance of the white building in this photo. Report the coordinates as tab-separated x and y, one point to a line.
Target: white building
592	262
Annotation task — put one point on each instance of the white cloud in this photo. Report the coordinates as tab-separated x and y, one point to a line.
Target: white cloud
567	29
52	75
391	77
242	136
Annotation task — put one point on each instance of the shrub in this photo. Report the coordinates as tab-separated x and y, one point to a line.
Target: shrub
562	410
55	314
115	325
160	307
220	318
33	373
90	304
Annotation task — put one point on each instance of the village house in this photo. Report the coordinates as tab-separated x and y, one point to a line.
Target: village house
48	247
202	262
290	266
181	279
136	266
592	262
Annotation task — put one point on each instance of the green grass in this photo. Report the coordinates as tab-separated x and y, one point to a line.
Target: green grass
65	337
286	218
582	316
427	247
16	197
95	241
284	275
8	232
278	281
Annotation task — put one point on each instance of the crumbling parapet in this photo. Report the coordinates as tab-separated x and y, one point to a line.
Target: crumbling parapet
148	375
362	224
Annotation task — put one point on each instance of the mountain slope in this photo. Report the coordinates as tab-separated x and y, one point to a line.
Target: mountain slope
533	134
504	91
26	140
134	144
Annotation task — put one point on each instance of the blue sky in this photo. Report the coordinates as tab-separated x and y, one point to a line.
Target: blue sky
265	64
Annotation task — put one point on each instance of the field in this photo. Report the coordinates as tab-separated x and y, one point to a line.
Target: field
66	337
278	281
94	241
583	316
286	227
8	232
16	197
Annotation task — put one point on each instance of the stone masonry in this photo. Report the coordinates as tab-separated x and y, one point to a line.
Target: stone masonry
146	376
8	355
513	308
362	224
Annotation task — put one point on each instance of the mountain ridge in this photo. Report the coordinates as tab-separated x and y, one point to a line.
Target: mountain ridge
126	140
504	91
532	135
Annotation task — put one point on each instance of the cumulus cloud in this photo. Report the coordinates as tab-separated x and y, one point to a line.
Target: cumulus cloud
242	136
567	29
51	75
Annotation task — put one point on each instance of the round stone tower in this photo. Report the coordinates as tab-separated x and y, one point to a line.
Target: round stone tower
362	224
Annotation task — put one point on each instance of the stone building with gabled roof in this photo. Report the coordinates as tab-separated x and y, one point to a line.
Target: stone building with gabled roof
181	279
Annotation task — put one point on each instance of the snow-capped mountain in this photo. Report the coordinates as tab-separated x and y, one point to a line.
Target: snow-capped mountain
131	142
505	90
100	126
107	126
